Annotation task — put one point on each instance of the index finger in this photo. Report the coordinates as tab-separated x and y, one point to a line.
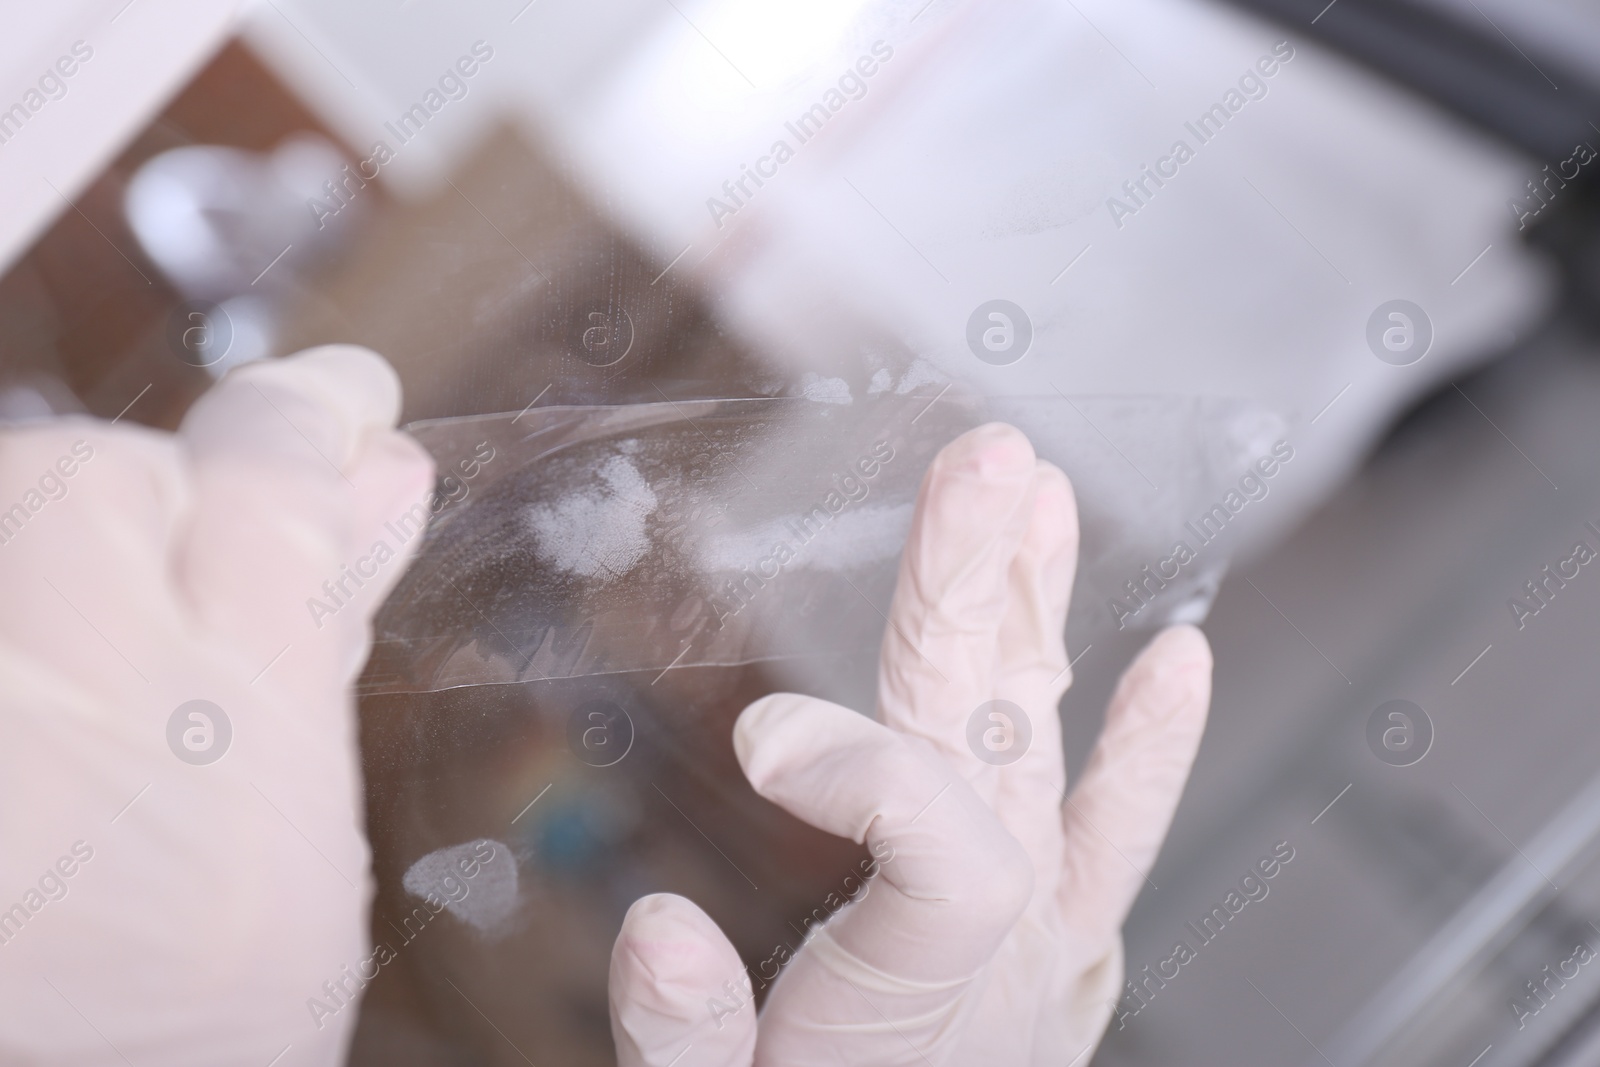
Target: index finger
938	662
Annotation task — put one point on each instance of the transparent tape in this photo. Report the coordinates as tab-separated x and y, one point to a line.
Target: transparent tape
578	541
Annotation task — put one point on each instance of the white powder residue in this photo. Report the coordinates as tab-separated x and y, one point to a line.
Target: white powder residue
599	530
728	550
828	390
858	536
921	372
881	381
477	881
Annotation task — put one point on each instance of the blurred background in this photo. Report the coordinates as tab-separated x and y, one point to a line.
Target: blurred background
573	231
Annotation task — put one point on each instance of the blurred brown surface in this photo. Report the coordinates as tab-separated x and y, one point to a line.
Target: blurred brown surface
85	306
675	815
485	294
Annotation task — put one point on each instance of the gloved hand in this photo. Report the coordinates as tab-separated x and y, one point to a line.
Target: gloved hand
991	934
154	907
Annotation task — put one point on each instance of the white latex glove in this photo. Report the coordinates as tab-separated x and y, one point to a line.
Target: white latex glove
187	914
992	935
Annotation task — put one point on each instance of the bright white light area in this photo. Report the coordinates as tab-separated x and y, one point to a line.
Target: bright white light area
775	43
707	92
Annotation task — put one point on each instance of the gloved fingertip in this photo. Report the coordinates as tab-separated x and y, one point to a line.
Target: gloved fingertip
1053	486
995	451
657	908
400	465
350	371
1170	681
971	517
677	983
1181	648
674	943
758	734
1054	522
322	404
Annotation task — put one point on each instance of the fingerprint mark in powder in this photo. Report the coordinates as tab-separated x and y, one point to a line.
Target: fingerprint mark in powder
598	531
476	880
